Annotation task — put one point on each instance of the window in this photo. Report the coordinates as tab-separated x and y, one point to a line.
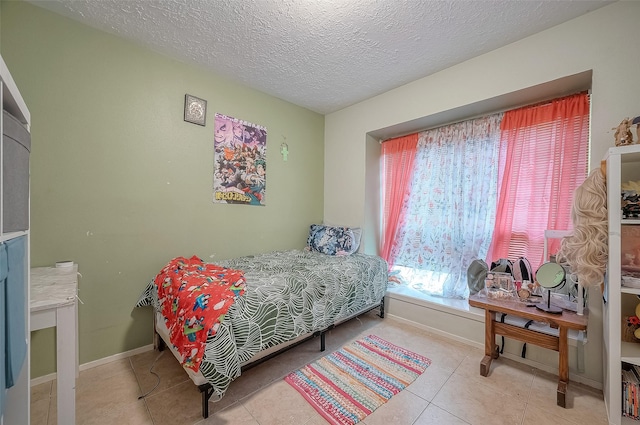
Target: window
485	188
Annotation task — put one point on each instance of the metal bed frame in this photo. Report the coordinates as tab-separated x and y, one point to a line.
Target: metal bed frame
207	390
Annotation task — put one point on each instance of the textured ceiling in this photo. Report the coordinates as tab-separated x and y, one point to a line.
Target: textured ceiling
322	54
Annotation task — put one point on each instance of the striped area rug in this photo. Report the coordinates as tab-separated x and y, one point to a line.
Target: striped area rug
349	384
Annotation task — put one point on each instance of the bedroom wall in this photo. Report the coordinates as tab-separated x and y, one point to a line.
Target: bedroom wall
120	184
600	42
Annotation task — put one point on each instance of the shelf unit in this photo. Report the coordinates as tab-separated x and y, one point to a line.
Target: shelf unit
17	398
623	164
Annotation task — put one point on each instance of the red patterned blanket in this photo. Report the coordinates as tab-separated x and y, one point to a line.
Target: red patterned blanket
195	297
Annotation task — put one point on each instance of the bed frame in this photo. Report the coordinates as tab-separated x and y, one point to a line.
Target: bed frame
207	390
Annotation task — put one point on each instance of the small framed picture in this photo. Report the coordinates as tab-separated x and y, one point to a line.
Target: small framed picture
195	110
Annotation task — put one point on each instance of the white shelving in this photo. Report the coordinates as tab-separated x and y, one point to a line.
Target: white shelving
17	401
623	164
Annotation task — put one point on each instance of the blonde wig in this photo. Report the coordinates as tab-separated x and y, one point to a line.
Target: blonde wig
585	252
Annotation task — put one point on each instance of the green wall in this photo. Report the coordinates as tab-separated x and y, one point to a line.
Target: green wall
120	184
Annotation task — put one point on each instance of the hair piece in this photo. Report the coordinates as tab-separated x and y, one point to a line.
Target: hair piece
586	250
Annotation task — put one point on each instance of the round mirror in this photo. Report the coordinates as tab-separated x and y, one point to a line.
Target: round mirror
551	275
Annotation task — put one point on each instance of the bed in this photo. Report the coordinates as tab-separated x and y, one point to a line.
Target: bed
287	297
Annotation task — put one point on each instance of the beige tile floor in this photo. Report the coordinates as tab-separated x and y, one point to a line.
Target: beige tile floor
451	391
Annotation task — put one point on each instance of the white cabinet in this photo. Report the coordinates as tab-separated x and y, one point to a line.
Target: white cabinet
14	249
623	165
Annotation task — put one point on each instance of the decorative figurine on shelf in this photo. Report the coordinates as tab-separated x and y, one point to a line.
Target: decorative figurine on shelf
636	122
623	134
631	329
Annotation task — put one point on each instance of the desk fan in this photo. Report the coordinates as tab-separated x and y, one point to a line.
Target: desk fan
550	276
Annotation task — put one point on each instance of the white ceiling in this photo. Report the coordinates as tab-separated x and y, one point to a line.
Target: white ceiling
323	55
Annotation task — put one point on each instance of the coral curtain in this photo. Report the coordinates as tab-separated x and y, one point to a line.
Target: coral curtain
398	156
450	213
541	147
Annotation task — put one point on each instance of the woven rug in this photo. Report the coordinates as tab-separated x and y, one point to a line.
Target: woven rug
349	384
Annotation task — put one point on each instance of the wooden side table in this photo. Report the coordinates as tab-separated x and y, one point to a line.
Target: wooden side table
563	322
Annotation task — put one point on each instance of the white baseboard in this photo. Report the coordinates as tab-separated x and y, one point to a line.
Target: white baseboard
438	332
572	378
541	366
575	378
42	379
95	363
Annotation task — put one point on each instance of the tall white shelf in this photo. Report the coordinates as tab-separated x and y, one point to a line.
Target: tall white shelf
17	402
623	164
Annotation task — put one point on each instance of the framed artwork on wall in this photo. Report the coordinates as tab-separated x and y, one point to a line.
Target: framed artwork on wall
195	110
240	162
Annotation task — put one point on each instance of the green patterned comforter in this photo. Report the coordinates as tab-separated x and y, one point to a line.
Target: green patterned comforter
288	294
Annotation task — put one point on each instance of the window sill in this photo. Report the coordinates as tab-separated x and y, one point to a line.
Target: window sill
456	307
461	308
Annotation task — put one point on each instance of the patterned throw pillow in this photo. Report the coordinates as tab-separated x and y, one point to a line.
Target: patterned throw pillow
331	240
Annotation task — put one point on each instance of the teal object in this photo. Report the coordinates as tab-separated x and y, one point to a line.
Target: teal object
4	271
15	323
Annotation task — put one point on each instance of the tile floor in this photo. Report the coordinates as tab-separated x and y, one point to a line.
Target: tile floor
451	391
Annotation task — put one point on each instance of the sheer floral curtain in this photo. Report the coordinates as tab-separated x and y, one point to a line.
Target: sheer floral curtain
398	156
450	214
545	150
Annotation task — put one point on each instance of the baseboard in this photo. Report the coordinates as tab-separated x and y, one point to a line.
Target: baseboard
96	363
575	378
438	332
42	379
541	366
554	371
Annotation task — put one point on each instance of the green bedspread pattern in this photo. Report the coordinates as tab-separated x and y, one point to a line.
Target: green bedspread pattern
288	294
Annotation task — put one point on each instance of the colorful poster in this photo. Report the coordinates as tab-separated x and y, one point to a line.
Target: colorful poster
240	162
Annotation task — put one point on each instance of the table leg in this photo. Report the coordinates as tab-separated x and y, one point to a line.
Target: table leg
563	366
490	347
66	364
77	356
